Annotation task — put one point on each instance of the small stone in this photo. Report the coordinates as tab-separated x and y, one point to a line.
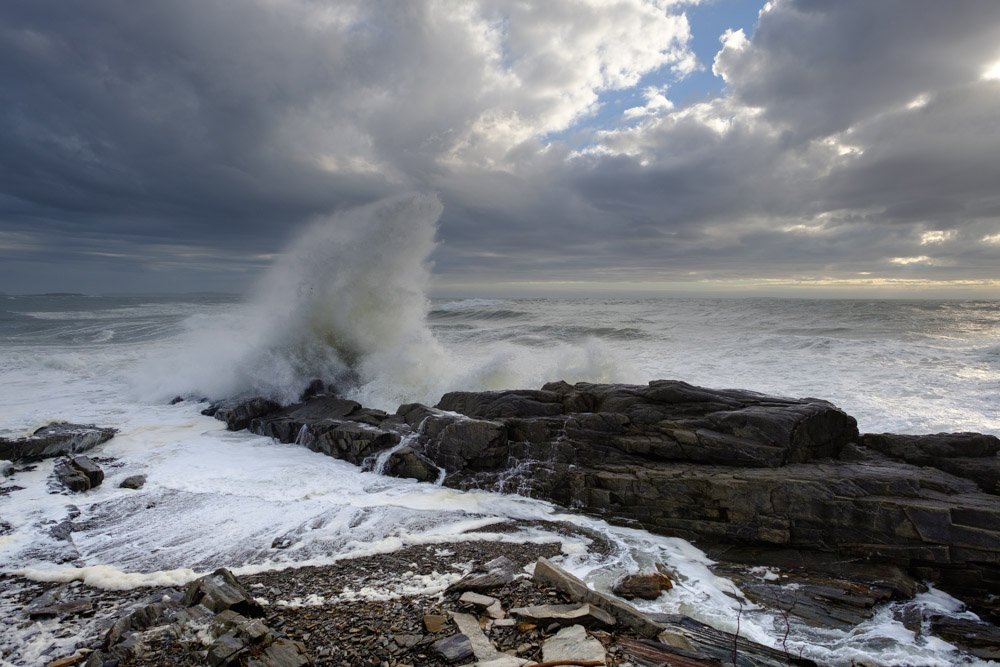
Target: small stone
133	482
572	643
435	622
477	600
224	649
406	641
495	611
71	660
454	649
282	653
645	585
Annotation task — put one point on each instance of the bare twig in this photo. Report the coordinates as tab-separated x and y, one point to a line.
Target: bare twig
784	613
736	637
568	663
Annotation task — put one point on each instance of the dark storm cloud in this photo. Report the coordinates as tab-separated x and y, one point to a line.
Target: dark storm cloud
178	145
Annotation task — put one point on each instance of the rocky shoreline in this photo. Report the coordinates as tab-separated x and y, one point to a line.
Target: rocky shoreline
850	521
739	473
506	605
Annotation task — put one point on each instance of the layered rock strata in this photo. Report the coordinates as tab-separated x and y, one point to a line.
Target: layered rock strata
718	467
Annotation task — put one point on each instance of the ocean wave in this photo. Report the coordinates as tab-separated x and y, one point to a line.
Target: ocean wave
469	304
487	314
347	299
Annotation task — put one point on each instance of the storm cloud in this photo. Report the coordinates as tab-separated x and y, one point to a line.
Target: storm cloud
179	145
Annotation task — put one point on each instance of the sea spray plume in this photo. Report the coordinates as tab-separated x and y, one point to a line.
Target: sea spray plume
347	298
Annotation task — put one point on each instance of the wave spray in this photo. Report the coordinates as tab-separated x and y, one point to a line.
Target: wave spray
346	302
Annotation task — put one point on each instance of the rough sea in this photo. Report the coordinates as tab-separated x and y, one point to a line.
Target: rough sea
347	302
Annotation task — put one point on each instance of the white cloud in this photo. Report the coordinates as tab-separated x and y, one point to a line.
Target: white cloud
734	42
656	103
992	72
906	261
937	236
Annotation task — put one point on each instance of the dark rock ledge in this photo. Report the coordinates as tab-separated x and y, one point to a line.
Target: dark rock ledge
55	439
736	472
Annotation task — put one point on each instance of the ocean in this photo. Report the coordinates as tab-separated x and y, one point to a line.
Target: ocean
219	498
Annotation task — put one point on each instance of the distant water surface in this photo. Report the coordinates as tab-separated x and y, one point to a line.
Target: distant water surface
221	498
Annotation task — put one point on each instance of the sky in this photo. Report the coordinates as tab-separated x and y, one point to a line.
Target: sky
583	146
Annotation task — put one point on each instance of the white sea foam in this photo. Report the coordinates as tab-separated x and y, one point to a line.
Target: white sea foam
346	302
346	299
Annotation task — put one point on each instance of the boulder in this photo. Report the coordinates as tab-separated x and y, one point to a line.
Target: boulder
498	572
409	463
55	439
664	421
220	591
133	482
239	413
455	649
333	426
78	473
645	586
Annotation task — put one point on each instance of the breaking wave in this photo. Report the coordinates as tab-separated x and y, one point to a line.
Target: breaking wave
347	303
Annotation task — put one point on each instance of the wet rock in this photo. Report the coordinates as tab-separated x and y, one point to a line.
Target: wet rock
220	591
56	603
565	614
978	638
333	426
133	482
316	388
573	644
406	462
282	542
78	474
497	572
239	413
972	456
455	649
349	441
646	586
225	649
672	420
55	439
458	444
63	530
925	449
728	468
281	653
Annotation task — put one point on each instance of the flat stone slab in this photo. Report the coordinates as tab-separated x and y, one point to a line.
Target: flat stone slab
573	643
55	439
566	614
